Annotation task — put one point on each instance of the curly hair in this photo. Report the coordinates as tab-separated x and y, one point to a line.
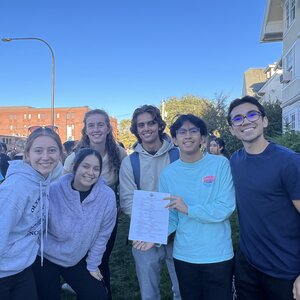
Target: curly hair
155	113
111	146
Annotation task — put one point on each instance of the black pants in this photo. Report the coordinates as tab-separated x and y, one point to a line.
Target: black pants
104	267
19	286
252	284
205	281
78	277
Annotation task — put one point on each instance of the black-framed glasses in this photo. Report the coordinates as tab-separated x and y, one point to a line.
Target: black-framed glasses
35	127
192	131
251	116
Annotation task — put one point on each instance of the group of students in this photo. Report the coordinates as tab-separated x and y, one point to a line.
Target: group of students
67	227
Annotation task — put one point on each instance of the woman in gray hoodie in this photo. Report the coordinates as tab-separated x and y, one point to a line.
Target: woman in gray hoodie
82	215
23	210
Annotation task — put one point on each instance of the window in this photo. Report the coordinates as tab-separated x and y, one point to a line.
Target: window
39	116
293	122
290	12
57	116
24	116
72	115
289	61
29	116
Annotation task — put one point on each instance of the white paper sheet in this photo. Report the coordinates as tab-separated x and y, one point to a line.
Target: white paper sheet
149	217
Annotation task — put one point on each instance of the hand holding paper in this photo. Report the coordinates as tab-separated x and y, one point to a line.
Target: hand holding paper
149	218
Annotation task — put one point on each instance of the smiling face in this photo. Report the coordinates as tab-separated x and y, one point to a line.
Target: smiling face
43	155
189	140
248	132
148	129
96	129
87	173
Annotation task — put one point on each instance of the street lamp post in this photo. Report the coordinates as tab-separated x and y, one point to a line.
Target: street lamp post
53	67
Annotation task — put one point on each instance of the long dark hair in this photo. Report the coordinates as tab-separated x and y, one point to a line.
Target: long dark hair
111	146
222	145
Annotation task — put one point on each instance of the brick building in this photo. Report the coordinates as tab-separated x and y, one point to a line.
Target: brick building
15	120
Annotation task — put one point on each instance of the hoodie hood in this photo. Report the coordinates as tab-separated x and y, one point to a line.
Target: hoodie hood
22	168
166	146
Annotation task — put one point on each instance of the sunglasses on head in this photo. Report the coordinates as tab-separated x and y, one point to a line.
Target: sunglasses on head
34	128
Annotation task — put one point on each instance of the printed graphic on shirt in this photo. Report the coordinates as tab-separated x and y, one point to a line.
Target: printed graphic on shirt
209	180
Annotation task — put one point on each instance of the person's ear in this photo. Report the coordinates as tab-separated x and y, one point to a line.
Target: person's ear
231	130
174	140
265	122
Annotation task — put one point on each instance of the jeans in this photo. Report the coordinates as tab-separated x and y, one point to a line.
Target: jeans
148	270
252	284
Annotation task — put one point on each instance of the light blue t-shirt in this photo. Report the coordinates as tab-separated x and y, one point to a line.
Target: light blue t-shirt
204	234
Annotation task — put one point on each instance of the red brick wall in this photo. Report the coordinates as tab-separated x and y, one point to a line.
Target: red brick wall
15	120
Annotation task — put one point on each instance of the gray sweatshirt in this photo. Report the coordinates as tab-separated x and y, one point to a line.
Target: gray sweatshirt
23	200
150	169
77	229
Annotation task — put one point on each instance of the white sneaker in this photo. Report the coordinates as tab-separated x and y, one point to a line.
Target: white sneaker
67	287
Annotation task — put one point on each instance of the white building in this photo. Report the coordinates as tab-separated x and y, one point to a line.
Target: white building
282	23
263	83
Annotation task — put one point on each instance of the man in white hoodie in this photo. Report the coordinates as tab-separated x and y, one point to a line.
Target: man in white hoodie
153	152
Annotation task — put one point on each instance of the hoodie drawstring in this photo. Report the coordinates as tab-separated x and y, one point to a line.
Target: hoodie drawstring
43	208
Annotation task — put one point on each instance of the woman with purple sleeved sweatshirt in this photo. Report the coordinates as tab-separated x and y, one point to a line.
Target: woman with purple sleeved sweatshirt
82	214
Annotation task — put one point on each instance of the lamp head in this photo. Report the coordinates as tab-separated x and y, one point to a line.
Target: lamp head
6	39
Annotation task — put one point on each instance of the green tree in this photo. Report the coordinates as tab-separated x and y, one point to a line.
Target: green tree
124	134
183	105
215	117
290	139
274	114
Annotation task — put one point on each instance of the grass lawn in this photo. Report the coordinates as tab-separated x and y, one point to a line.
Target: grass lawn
123	279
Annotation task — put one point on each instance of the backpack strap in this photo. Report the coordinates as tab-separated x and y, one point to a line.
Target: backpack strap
174	154
135	163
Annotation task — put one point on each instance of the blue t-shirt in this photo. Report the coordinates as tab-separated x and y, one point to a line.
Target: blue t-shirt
265	185
204	234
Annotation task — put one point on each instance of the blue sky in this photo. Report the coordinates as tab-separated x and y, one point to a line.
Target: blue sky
120	54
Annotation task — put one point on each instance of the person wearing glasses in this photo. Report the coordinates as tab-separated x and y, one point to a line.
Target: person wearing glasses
153	153
267	183
201	203
97	134
24	212
82	215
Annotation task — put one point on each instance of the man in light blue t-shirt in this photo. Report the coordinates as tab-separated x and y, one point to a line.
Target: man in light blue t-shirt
201	202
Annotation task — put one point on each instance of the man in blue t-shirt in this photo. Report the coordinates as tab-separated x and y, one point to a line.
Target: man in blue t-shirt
267	182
